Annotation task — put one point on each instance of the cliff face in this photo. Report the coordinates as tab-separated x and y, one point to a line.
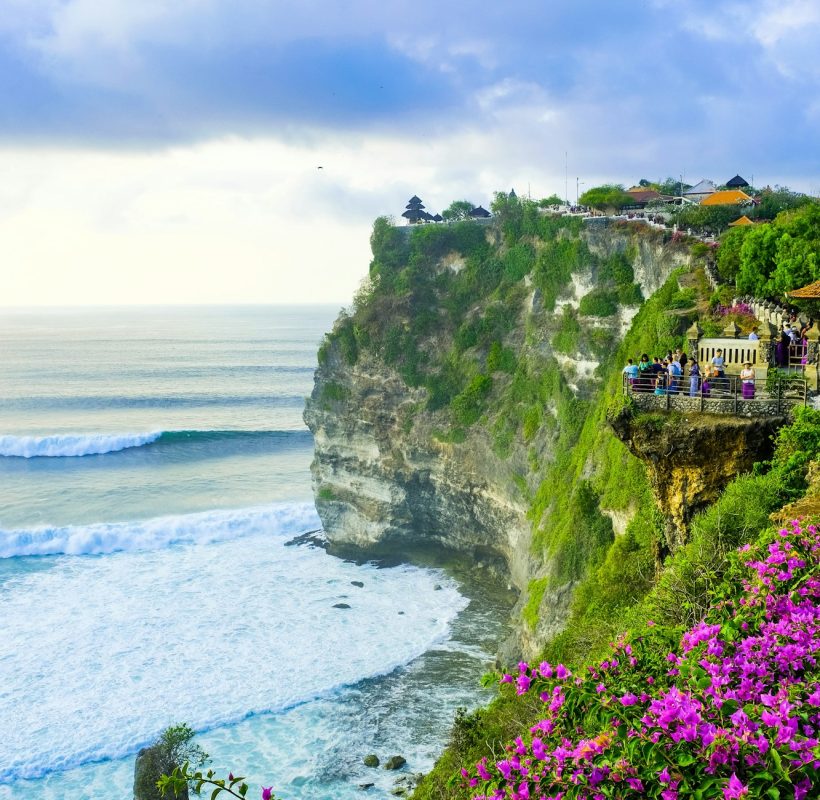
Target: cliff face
384	481
391	473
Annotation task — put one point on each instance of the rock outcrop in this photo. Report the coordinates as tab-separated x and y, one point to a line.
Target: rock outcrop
691	458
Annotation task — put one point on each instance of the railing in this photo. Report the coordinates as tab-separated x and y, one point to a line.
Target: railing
761	397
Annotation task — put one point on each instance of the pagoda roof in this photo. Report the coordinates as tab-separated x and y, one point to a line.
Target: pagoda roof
736	183
810	292
744	220
414	199
437	218
480	212
414	213
728	197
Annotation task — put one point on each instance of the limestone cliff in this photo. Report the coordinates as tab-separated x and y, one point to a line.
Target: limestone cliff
394	470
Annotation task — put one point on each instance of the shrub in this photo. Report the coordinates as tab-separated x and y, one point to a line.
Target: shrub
599	303
467	405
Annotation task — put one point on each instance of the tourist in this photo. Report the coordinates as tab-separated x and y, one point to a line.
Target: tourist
694	378
718	370
631	372
706	386
682	360
660	387
753	337
644	383
673	368
747	380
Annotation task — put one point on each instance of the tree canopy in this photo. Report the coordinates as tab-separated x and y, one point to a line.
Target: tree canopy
778	256
610	196
458	209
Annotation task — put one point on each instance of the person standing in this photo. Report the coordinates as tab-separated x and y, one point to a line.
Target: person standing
630	372
747	380
694	378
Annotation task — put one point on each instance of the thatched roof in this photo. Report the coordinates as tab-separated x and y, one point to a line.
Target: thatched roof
437	218
480	212
736	183
810	292
744	220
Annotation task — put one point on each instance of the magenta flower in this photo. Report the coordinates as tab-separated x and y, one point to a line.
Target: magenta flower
267	792
735	789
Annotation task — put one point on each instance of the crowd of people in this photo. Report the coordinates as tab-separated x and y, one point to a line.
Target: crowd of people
668	375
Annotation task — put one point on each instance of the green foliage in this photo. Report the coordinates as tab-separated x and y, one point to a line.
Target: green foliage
709	219
568	335
599	303
552	200
181	777
518	261
500	358
684	298
608	197
467	405
535	594
326	493
778	256
457	210
174	748
728	254
334	392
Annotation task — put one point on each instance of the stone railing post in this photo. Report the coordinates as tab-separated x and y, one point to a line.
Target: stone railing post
766	345
693	339
812	355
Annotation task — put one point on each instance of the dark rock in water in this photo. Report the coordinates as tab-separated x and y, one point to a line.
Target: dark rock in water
366	786
398	791
371	760
311	539
395	762
401	613
149	767
437	587
341	605
357	583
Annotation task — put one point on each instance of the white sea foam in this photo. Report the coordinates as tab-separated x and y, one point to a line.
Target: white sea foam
158	532
100	654
73	444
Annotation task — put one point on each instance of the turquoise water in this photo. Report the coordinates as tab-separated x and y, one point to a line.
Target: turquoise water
154	466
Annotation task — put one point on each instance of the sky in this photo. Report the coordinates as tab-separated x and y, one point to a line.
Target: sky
238	151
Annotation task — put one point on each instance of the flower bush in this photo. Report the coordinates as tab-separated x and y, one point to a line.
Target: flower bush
732	711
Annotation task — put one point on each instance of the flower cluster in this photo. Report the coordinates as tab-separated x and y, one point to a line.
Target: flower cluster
732	712
743	309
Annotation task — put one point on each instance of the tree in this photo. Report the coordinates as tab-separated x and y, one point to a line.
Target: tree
552	200
458	209
609	197
728	254
173	749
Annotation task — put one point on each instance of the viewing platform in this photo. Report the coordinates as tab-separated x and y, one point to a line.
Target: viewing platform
764	397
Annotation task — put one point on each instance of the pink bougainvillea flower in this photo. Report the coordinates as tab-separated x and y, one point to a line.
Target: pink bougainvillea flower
267	792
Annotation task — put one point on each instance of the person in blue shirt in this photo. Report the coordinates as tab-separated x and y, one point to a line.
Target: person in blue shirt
631	372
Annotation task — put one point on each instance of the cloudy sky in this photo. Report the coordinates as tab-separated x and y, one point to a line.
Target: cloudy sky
168	151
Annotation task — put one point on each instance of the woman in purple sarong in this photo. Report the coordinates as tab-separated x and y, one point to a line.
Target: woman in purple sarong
747	381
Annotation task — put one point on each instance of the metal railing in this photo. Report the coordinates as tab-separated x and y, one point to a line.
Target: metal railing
729	394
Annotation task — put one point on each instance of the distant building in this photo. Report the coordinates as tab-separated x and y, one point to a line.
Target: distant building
737	183
729	197
700	191
480	213
641	196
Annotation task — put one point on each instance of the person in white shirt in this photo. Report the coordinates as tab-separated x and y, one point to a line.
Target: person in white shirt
753	337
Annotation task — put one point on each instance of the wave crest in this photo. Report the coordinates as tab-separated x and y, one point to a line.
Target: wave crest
159	532
73	444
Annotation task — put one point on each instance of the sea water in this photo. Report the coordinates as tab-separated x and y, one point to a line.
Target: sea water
154	472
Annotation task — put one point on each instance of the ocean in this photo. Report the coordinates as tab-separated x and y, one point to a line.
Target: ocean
154	472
